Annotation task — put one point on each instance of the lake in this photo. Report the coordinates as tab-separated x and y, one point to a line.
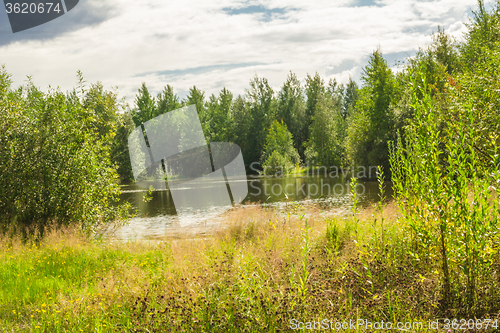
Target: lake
157	217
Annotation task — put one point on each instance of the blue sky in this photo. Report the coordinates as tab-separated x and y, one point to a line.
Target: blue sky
223	43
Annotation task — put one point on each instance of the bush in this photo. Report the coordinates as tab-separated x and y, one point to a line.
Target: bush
451	209
54	160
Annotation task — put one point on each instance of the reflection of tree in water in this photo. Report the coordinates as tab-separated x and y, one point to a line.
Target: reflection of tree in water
172	147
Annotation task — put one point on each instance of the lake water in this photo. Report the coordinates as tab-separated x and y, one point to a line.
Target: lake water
157	217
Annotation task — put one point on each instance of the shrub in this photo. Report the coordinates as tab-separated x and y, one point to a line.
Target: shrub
54	160
451	208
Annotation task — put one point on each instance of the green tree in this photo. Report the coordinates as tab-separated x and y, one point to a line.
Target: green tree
372	124
475	91
219	120
241	128
483	33
104	114
145	106
55	161
167	101
315	89
291	110
120	152
279	154
349	97
261	106
197	97
438	63
445	51
328	129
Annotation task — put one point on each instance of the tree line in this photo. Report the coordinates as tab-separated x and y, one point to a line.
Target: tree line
318	123
62	154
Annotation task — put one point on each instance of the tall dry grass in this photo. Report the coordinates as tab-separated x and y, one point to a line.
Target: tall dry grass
259	271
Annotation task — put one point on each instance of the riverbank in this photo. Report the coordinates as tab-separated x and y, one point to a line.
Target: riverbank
264	271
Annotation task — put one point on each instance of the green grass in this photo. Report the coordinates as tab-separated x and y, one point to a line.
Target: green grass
262	270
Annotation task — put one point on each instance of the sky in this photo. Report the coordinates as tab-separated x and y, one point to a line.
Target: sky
223	43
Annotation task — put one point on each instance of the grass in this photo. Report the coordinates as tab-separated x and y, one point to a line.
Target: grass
258	273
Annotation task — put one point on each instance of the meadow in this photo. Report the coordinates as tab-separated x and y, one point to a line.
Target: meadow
263	271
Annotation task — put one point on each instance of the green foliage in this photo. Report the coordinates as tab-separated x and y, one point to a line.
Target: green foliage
241	127
483	34
102	106
328	128
478	82
380	205
371	125
167	101
279	153
439	62
219	120
55	161
478	92
349	95
261	108
445	51
148	107
197	97
291	110
315	89
450	208
120	153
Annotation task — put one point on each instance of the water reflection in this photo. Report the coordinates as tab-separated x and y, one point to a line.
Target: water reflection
157	217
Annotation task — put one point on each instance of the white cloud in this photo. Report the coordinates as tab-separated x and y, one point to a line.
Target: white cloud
153	35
